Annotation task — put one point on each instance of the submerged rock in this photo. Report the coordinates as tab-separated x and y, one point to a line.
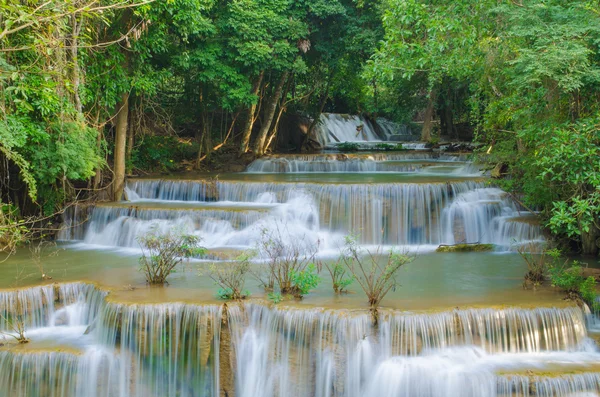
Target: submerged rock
465	248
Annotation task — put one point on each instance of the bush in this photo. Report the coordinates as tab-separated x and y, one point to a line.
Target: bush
275	297
340	279
571	280
284	262
162	252
231	277
388	147
161	153
304	281
536	264
374	278
348	147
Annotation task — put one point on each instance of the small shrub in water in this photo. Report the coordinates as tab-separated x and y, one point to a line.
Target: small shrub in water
231	277
536	264
340	279
162	252
375	278
304	281
284	259
275	297
571	280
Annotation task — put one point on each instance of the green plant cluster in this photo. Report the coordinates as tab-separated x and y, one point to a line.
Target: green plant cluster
524	77
348	147
304	281
570	279
161	153
388	147
162	251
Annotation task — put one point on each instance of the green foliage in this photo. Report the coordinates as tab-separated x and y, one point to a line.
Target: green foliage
231	276
304	281
375	272
568	165
525	76
229	294
340	278
388	147
13	231
569	278
163	251
348	147
161	153
275	297
587	290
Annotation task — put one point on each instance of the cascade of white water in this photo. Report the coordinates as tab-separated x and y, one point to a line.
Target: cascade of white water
120	227
81	304
171	349
415	146
394	213
487	215
576	385
388	214
345	128
93	373
377	156
33	306
360	164
287	352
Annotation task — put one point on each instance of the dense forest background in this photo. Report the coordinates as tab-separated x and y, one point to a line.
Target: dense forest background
92	90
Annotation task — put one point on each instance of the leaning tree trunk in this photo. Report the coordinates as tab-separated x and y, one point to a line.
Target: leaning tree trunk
120	146
317	117
250	121
428	120
259	147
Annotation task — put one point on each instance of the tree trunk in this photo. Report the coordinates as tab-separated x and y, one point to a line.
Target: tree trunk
130	135
76	29
120	146
259	147
428	121
250	121
588	240
98	175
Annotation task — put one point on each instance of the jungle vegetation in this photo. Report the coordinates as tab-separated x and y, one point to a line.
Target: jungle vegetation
92	90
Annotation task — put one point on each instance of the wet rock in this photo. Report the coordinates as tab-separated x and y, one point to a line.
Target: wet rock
499	170
589	271
466	248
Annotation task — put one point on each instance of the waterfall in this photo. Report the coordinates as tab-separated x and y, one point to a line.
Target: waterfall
409	214
59	374
487	215
405	162
120	227
176	349
346	128
398	213
333	128
578	385
36	302
290	352
171	349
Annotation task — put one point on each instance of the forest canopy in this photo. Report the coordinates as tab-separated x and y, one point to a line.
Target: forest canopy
93	90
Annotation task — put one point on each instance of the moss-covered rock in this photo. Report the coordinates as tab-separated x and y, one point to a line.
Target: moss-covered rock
466	248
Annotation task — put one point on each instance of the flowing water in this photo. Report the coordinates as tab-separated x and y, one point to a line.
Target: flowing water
459	325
